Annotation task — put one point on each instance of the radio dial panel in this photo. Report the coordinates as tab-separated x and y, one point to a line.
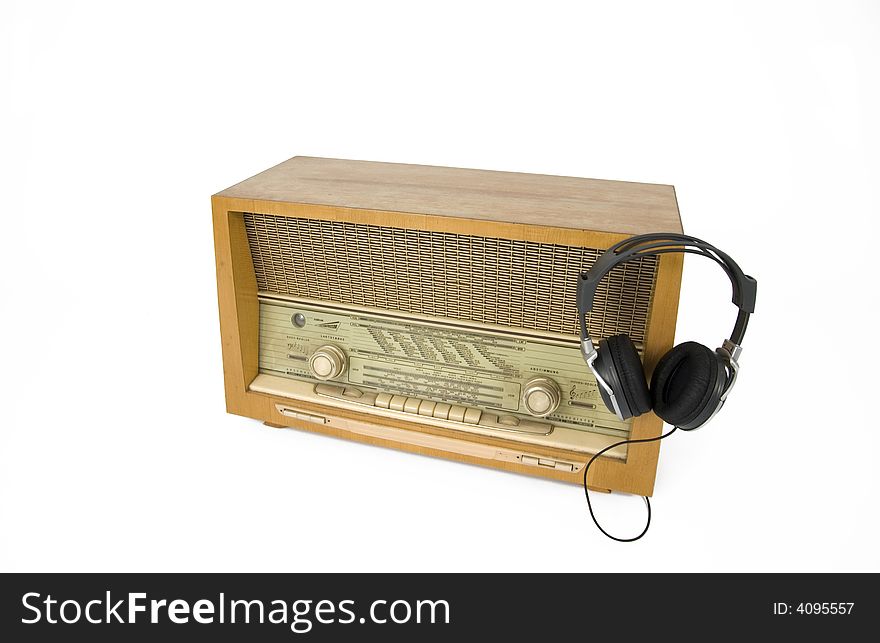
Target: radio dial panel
470	374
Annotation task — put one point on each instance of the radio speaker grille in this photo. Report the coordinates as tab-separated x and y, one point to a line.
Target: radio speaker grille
520	284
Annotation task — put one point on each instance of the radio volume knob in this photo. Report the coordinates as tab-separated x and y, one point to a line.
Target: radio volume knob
327	362
541	396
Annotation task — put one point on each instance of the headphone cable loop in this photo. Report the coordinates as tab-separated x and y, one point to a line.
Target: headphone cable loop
646	499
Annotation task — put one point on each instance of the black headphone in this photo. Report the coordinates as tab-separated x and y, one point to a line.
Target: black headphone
691	382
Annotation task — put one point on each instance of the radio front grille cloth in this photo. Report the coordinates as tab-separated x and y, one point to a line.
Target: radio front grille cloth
494	281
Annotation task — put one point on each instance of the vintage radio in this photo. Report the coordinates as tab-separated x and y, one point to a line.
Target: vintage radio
434	310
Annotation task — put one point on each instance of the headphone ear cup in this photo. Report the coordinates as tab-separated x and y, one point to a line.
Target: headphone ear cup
634	386
683	383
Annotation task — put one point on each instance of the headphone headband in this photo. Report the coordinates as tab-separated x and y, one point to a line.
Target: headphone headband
744	287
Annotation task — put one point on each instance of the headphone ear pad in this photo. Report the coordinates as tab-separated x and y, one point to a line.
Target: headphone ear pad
683	382
629	368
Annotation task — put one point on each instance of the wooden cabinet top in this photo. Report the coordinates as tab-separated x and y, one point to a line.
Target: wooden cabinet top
531	199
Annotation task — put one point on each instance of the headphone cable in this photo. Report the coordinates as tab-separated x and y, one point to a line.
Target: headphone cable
647	501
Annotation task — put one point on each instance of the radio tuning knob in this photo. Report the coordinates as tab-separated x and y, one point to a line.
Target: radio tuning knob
541	396
327	362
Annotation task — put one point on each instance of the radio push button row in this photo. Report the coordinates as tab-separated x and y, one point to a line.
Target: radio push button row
441	411
426	408
397	403
411	405
472	416
383	400
456	413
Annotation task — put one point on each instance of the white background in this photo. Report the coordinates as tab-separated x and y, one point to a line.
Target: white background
117	124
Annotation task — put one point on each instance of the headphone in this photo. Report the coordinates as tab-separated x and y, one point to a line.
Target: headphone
691	382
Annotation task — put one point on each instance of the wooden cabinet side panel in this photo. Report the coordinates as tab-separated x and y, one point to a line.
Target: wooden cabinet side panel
237	302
